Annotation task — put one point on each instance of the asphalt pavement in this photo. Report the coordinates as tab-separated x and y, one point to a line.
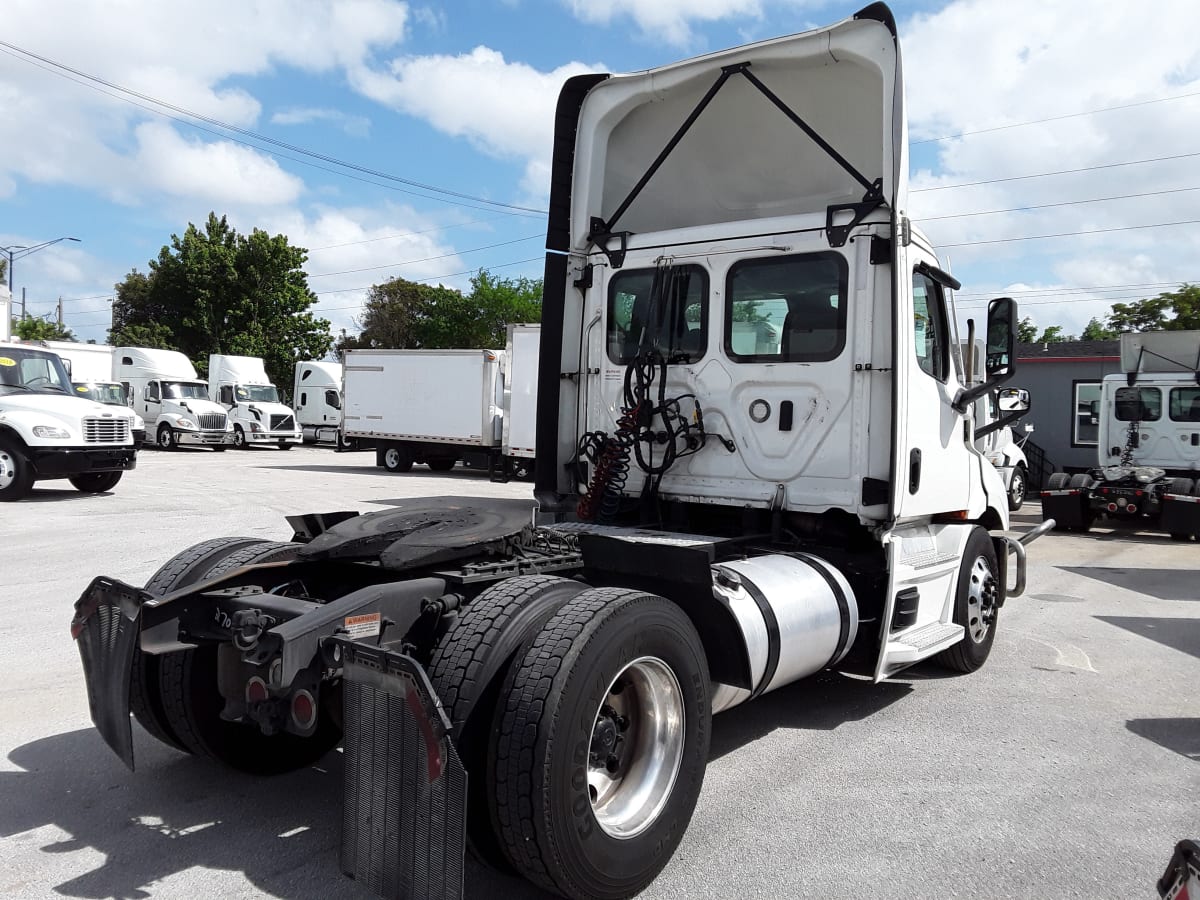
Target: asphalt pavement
1066	768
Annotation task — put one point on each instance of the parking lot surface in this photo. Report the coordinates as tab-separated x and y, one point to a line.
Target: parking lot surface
1066	768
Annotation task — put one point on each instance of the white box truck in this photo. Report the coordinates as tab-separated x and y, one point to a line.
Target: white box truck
240	384
317	399
713	521
439	407
1149	446
47	431
165	391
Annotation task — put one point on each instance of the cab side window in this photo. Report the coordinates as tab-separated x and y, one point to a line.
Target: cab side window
152	391
930	329
227	394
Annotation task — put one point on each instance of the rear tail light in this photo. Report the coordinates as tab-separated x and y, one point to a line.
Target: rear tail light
256	690
1112	507
304	710
1132	507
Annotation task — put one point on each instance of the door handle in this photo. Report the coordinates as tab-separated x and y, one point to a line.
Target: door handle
914	470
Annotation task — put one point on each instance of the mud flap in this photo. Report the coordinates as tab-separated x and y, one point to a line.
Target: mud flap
404	815
106	625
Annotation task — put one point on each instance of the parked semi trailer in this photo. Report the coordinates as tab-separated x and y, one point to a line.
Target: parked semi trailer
440	407
1149	446
714	520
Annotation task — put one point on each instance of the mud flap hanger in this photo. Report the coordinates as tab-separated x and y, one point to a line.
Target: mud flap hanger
601	232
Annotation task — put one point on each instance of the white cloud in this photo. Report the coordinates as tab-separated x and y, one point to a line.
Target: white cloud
355	126
217	173
503	108
977	64
668	21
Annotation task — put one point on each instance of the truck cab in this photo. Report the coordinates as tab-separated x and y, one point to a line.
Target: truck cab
317	397
48	431
241	386
164	390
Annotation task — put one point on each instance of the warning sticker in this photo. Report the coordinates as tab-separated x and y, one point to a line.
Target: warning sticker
5	361
362	626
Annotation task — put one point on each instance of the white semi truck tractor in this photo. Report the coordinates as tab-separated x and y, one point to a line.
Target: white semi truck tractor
165	391
47	431
241	386
90	368
317	399
719	511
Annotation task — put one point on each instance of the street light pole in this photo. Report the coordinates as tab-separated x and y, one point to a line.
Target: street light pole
19	251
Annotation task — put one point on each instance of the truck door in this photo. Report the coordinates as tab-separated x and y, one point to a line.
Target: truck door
933	462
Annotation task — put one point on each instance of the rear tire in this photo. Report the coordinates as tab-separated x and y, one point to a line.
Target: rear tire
192	703
184	568
467	671
974	604
1079	481
96	482
1058	481
616	678
441	464
1183	486
16	474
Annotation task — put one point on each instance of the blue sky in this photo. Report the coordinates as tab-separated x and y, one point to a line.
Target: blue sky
460	96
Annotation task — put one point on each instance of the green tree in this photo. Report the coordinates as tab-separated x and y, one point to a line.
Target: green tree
35	329
216	291
1026	331
1096	331
404	314
1054	335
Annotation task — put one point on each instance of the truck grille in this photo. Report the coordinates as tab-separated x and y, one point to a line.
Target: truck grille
106	431
212	421
283	423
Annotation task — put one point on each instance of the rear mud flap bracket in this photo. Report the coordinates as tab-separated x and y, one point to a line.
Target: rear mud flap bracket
404	814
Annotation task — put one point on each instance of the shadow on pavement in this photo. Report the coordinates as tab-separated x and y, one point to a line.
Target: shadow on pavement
1179	634
178	812
820	703
1165	584
1179	735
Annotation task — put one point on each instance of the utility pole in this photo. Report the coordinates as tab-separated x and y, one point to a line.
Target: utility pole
60	321
22	303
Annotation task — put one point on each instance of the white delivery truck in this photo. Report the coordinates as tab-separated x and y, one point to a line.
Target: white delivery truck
47	431
240	384
164	390
713	520
1149	444
317	399
439	407
90	369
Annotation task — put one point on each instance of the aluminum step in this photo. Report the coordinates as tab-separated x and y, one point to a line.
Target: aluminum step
922	642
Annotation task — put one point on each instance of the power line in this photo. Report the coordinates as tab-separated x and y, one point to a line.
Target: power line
427	258
1061	290
1041	237
326	309
993	212
1132	162
404	234
1076	115
59	68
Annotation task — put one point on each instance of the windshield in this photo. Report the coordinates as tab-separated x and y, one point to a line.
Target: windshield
185	390
257	393
28	370
101	392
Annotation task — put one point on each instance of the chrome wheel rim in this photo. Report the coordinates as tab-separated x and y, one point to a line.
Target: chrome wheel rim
392	458
239	438
1017	490
636	747
981	600
164	437
8	469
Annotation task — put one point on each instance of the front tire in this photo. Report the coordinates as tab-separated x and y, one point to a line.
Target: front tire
239	438
396	459
166	437
16	474
602	744
96	482
1016	489
975	604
